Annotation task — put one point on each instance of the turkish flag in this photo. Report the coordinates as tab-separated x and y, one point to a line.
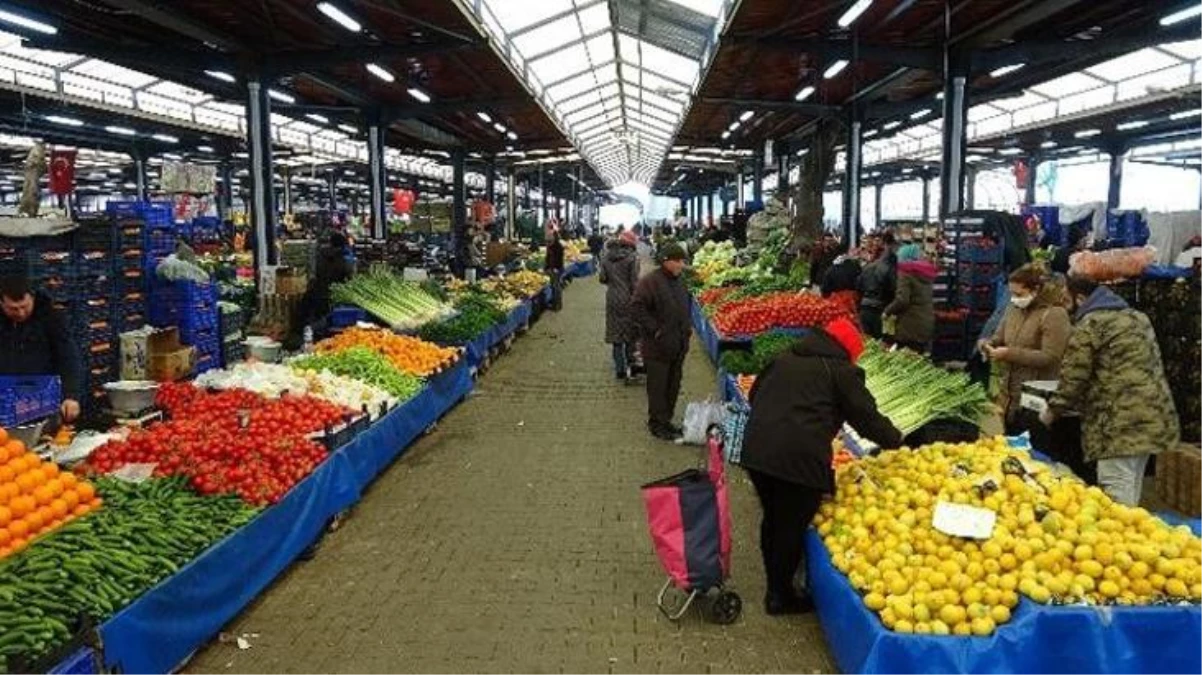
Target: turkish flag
402	201
62	172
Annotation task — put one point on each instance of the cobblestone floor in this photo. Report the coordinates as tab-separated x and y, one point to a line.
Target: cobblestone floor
513	539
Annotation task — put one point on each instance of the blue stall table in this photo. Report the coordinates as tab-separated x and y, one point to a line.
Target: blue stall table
159	630
703	329
477	349
1037	639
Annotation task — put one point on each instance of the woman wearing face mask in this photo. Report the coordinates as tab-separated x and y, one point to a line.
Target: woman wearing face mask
1030	341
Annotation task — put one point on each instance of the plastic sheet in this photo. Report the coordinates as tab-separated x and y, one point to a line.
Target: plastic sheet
1038	638
703	329
159	630
477	349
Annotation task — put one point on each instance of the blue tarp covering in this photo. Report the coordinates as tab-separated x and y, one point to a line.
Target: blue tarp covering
705	332
728	386
477	349
582	268
159	630
1038	638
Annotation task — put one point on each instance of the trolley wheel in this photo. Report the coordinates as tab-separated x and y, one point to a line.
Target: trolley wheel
725	609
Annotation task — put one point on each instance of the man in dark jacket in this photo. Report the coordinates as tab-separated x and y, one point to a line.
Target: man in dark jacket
878	284
798	405
661	308
553	266
34	340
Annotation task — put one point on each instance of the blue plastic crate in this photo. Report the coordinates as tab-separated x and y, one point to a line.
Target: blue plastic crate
98	263
150	212
24	398
344	316
206	338
95	235
133	259
130	281
206	362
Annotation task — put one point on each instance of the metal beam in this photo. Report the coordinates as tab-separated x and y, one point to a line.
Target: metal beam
171	18
299	60
166	57
1034	53
812	109
555	17
567	45
911	57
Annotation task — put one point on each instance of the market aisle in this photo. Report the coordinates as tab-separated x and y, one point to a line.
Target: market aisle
513	539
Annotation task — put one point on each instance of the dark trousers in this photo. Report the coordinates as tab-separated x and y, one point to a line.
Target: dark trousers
1061	441
663	388
872	322
623	358
556	290
789	509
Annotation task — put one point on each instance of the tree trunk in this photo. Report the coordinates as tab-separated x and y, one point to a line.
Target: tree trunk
816	169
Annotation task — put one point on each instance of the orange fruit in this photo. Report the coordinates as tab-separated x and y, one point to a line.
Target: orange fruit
69	480
5	536
8	491
15	447
21	505
85	492
42	494
3	436
50	469
6	516
47	514
18	544
71	498
39	475
3	453
55	485
18	529
82	509
26	482
95	503
33	521
7	475
5	551
60	508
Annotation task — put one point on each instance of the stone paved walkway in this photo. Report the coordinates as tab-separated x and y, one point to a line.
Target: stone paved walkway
512	539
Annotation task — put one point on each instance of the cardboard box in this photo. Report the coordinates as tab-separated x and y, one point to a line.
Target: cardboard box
134	354
167	359
290	281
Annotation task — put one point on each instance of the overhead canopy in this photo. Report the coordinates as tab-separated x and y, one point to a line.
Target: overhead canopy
617	74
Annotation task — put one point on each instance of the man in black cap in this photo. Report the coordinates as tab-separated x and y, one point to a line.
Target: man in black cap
661	307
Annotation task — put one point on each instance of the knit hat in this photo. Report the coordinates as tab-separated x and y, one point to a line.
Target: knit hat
909	253
672	251
628	237
847	335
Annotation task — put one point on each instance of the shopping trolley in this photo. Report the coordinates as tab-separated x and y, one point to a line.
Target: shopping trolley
688	515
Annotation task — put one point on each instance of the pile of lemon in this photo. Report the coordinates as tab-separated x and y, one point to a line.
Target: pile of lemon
1056	540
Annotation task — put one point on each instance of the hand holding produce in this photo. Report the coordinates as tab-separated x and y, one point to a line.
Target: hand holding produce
35	497
1056	540
408	354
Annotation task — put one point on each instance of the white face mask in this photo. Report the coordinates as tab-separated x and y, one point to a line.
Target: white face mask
1023	302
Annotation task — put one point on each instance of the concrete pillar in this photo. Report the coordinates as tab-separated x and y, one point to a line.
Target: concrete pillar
757	179
286	176
926	198
955	139
378	178
141	185
1029	184
225	198
878	212
262	186
851	179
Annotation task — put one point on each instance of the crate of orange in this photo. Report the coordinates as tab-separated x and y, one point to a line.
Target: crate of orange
408	354
35	497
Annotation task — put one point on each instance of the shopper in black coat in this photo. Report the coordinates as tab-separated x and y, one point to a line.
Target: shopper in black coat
620	274
798	405
553	266
661	308
34	340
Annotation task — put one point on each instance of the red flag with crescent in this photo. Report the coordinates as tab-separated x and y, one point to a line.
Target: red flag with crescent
62	172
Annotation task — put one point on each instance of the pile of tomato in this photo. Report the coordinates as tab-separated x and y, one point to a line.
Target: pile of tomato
715	295
755	315
231	441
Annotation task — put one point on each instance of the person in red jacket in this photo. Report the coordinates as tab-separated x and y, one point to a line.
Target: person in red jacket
798	405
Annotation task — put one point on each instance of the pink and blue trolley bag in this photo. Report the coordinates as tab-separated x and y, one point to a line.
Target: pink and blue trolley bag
688	515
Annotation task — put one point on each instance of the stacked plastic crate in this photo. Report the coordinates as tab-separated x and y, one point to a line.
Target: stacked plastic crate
192	308
979	271
75	270
232	321
129	243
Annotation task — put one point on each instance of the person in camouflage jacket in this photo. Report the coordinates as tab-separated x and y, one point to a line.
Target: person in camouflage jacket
1113	377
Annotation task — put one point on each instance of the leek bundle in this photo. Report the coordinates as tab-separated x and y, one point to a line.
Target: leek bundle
402	304
913	392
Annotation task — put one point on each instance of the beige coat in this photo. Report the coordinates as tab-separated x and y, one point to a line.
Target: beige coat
1036	338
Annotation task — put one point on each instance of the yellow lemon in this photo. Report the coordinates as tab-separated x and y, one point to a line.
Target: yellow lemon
1000	614
982	626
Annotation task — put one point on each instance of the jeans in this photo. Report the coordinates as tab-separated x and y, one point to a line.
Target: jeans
663	388
789	509
622	358
1122	478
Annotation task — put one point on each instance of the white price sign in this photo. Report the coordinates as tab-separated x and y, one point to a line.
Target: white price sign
961	520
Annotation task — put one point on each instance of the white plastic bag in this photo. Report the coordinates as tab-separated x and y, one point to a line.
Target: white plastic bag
698	417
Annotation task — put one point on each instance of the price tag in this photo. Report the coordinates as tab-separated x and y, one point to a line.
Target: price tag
961	520
134	473
1032	402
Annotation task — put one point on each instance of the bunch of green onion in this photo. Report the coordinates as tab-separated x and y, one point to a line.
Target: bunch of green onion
400	303
913	392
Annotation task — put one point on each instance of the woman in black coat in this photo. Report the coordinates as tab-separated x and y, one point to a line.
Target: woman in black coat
798	405
620	274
